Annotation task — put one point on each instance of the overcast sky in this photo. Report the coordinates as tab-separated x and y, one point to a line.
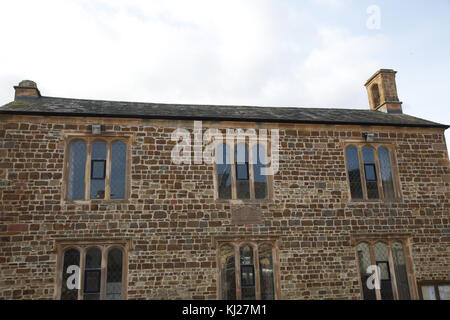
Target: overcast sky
312	53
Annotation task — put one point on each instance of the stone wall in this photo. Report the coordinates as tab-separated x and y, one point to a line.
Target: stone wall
172	216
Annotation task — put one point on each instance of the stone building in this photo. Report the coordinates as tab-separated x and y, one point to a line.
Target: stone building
108	200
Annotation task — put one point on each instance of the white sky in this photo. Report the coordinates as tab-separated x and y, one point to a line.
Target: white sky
312	53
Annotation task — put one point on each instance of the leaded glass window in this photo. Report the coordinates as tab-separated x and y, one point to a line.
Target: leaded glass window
114	275
401	273
387	263
255	275
97	169
75	190
118	169
364	262
266	272
354	174
370	173
240	178
228	274
224	171
376	169
70	274
92	274
248	289
259	176
242	171
386	173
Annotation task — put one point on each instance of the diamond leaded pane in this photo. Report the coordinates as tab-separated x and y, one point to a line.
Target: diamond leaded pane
354	174
401	273
364	262
75	188
118	169
114	275
266	272
228	275
382	260
386	173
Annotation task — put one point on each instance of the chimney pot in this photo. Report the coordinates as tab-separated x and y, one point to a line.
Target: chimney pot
26	89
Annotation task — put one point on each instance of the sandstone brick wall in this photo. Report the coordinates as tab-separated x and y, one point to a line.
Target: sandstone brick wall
172	216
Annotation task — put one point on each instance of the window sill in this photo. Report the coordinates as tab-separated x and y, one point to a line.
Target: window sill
375	200
95	201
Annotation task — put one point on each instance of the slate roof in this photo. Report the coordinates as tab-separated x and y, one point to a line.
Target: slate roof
117	109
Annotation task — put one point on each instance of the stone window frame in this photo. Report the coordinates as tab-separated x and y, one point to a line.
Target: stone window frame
83	246
388	240
394	170
255	242
249	145
108	138
435	283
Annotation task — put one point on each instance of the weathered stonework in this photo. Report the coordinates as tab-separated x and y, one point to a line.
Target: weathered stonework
172	217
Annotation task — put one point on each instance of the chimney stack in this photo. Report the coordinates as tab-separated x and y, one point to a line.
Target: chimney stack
382	92
26	89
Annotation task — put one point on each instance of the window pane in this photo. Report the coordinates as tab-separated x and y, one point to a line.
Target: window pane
118	169
92	274
266	272
354	173
114	275
242	178
97	184
382	260
71	258
248	289
386	174
444	292
401	274
428	293
370	173
364	262
260	180
75	189
228	275
224	171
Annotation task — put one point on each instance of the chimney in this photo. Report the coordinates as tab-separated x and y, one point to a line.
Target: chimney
382	92
26	89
